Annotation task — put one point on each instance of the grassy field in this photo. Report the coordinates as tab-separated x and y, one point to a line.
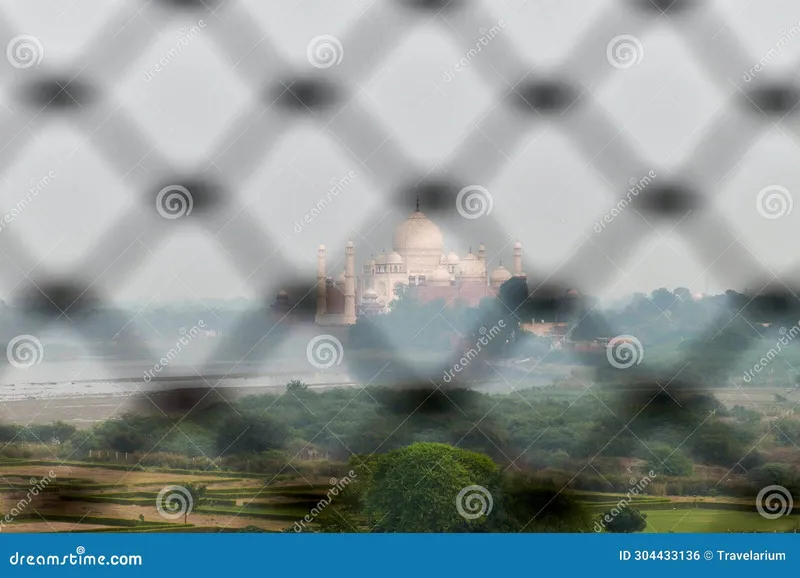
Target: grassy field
97	498
86	497
707	521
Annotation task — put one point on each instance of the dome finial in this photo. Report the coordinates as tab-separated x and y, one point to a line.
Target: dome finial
418	203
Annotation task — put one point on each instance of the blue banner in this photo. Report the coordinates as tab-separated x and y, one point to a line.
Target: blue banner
404	555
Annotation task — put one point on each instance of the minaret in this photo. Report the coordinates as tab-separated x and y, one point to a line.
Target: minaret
482	260
321	281
517	259
350	285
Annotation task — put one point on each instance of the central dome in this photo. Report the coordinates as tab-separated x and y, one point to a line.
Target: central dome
420	242
418	233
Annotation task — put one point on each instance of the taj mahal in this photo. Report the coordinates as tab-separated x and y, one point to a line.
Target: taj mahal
417	263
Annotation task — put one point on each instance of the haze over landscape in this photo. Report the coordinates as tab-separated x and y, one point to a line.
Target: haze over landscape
399	266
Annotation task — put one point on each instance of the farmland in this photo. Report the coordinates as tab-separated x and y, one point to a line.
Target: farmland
98	498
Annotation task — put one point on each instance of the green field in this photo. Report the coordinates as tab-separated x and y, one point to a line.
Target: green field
96	498
706	521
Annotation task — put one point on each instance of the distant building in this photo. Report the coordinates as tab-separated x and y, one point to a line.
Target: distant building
557	331
560	335
417	263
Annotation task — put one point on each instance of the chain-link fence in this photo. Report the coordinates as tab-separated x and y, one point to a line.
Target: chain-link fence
327	91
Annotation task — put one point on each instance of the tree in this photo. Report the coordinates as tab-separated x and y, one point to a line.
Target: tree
663	298
683	293
335	520
668	462
627	521
419	489
127	442
591	326
250	435
773	473
197	495
719	443
296	386
514	294
525	505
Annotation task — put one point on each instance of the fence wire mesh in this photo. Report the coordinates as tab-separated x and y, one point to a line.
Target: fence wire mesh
265	82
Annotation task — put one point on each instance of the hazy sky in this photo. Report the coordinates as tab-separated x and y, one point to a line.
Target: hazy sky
547	194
